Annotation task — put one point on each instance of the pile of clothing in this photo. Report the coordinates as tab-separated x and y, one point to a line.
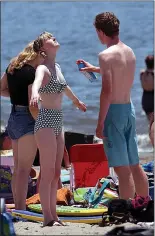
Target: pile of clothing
139	211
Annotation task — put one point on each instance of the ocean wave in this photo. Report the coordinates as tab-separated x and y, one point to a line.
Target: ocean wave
144	144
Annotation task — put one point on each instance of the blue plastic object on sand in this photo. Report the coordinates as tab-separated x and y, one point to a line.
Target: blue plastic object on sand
6	225
148	167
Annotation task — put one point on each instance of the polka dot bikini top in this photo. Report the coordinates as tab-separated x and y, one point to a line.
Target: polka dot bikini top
54	85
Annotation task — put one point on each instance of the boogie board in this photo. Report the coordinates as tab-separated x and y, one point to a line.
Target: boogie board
39	217
71	211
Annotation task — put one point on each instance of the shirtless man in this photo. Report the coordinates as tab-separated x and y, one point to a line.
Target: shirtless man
116	120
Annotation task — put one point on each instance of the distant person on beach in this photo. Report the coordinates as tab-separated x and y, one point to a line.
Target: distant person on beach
16	83
48	89
147	82
116	120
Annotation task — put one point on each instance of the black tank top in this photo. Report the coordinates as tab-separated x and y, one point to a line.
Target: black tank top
18	83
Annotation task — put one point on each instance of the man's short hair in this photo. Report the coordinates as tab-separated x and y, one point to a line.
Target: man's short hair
108	23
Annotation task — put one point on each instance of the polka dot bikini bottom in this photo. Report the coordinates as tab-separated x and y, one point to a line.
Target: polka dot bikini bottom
49	118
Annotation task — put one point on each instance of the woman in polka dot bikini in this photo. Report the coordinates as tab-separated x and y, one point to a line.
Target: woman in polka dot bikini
48	89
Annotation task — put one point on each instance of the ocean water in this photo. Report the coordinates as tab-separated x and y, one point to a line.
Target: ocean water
72	24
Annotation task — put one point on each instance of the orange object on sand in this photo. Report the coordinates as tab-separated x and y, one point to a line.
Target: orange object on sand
64	195
89	163
35	199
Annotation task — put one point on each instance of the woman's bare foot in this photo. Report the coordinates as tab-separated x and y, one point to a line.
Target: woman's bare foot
54	223
60	223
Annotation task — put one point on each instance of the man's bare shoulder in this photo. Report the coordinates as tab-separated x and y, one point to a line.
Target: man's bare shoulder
105	55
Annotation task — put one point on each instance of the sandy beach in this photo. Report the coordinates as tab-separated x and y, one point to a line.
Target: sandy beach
33	228
29	228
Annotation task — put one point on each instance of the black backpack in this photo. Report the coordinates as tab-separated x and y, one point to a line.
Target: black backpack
124	208
119	206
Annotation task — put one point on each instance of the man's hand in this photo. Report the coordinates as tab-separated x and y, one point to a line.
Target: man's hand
89	67
99	131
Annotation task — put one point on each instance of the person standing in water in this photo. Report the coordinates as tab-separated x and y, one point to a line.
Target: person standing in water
147	83
48	88
116	120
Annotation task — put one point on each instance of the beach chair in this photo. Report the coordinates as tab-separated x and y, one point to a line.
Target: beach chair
88	164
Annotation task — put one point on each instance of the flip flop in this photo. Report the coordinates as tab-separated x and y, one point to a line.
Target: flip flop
55	223
60	222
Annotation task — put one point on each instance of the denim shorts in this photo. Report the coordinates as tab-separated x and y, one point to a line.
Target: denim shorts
20	122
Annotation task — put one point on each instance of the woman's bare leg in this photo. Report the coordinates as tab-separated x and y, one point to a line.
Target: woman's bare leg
15	157
54	184
66	158
47	144
26	154
60	185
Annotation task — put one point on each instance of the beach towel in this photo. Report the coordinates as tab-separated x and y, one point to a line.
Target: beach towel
64	197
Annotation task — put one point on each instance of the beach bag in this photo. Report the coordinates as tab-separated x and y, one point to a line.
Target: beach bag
145	213
138	212
119	206
5	184
5	179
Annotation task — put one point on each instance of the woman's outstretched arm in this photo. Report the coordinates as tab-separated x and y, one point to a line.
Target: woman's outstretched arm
69	93
39	76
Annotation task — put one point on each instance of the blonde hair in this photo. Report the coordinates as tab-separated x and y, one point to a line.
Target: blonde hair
38	43
27	55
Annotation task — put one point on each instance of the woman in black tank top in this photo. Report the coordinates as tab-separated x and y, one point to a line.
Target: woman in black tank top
15	83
